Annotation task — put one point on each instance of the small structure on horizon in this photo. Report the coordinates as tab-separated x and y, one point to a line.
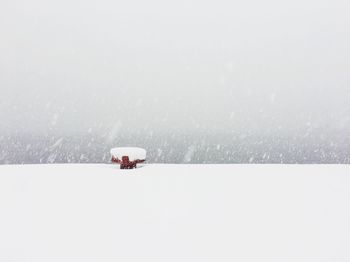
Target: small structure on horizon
128	157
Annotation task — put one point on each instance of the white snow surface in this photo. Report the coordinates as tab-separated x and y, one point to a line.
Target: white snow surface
97	212
133	153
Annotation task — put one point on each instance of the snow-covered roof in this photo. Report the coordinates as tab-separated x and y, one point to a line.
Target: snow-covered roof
132	152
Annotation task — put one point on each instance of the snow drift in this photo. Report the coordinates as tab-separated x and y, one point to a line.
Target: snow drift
174	213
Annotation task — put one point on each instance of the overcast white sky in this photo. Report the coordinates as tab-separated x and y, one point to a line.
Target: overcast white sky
70	66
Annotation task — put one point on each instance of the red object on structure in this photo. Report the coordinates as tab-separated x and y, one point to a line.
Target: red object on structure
125	163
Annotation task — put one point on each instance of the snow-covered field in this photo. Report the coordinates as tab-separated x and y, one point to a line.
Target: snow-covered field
98	213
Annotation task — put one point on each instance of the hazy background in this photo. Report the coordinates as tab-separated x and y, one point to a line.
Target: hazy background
191	81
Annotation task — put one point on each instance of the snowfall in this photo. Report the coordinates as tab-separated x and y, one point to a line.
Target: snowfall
159	212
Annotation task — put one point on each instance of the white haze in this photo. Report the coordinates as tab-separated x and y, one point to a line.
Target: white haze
264	66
